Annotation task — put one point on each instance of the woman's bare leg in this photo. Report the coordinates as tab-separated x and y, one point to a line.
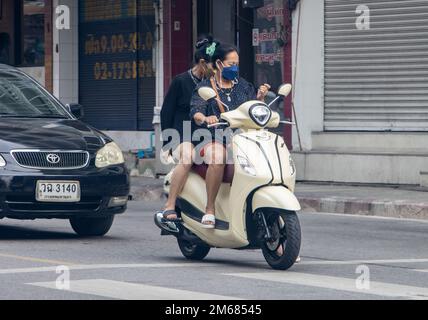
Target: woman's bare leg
215	157
185	154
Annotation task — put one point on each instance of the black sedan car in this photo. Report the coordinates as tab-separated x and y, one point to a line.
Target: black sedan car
54	166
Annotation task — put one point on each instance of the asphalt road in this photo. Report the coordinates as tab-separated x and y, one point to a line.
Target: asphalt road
134	262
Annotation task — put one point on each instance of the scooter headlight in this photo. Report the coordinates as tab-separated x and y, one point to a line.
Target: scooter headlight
292	167
261	114
2	162
109	155
246	166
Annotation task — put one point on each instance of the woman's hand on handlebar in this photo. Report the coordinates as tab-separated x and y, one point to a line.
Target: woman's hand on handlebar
263	91
201	119
211	120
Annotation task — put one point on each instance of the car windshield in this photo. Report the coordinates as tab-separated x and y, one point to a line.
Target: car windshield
21	97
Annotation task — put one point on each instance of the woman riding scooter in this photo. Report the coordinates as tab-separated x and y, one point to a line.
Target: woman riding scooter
174	115
233	91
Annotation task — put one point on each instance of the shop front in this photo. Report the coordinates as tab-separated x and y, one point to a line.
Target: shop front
375	66
262	32
26	37
117	82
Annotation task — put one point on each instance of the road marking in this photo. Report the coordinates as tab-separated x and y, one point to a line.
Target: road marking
194	265
336	283
55	262
131	291
107	266
421	270
357	262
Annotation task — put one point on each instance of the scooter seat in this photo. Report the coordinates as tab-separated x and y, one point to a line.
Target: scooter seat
201	170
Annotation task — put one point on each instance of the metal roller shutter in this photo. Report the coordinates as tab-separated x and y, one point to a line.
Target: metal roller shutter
376	79
116	74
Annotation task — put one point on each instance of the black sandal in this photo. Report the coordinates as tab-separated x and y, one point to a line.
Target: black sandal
169	225
167	213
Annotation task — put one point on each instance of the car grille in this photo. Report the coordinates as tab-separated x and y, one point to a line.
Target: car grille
62	159
28	203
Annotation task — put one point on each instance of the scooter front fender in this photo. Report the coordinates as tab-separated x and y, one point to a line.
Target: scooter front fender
275	197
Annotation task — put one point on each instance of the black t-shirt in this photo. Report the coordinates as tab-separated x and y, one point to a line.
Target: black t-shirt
176	106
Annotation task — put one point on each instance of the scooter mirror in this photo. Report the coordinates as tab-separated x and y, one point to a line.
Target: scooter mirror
207	93
285	90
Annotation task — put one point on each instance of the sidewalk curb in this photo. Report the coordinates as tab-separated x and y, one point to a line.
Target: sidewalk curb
148	193
341	205
390	209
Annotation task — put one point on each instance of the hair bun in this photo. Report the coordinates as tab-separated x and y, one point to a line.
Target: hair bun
204	40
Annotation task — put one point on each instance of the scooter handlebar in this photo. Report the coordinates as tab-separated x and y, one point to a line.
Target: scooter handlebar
218	124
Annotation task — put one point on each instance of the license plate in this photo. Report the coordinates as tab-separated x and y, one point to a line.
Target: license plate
58	191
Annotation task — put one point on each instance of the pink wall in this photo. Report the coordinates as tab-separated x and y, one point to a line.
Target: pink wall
177	43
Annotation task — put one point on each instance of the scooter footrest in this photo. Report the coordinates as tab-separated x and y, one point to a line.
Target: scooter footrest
164	233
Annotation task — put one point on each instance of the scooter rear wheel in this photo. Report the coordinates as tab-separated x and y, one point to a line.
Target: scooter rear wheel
282	251
193	251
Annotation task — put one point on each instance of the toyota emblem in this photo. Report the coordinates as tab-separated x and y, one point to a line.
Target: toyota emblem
53	158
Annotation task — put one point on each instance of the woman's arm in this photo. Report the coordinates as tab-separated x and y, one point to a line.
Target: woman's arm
170	105
169	108
198	108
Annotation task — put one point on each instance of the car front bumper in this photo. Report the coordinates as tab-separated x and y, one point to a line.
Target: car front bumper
98	188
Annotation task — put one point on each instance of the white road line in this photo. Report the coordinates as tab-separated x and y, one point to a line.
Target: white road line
342	284
421	270
358	262
197	265
107	266
131	291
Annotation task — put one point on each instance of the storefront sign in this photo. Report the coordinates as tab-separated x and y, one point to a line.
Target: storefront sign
265	36
270	12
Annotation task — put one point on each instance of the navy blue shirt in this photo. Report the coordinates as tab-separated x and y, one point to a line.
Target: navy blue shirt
242	92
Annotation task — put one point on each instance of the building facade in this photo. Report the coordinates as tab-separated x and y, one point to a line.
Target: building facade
359	70
361	95
118	57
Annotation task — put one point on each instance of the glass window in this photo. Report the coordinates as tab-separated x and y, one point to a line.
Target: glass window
22	97
33	33
269	41
269	36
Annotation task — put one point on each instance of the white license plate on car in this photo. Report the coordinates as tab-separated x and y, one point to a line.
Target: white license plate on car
58	191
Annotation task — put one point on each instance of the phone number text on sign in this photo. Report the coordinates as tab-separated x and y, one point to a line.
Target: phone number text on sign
119	43
123	70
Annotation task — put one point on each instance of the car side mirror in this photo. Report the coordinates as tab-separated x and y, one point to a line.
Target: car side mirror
76	110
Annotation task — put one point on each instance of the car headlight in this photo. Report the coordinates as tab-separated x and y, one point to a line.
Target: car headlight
109	155
246	166
2	162
260	114
292	167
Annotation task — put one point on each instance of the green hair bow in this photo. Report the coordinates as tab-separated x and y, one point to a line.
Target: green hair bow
211	49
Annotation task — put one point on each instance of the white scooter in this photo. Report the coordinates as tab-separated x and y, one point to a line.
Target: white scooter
256	206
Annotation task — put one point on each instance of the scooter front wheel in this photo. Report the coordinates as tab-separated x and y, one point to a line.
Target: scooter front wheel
282	249
193	251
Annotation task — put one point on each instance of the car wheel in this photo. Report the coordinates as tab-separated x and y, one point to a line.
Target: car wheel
92	227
